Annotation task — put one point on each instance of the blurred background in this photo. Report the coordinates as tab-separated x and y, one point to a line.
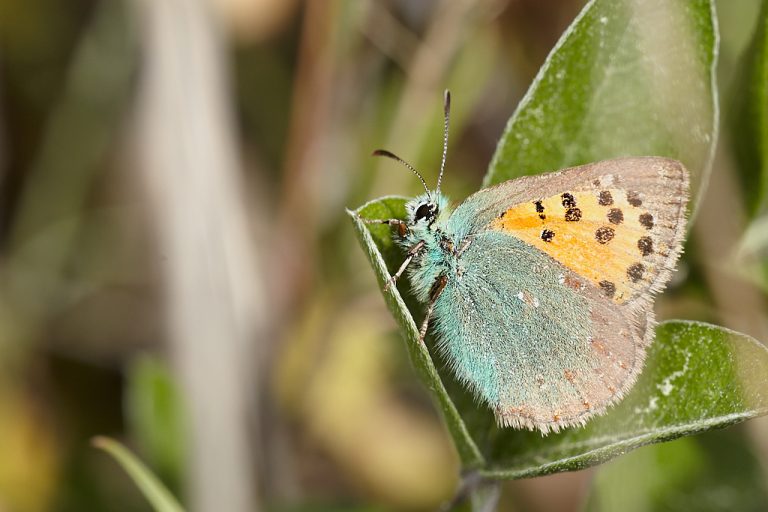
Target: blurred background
177	270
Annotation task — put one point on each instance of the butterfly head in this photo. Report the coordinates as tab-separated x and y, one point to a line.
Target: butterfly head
423	210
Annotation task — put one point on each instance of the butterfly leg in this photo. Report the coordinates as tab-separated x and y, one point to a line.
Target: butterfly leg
402	226
412	252
434	293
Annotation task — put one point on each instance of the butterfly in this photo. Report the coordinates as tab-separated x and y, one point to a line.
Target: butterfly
540	289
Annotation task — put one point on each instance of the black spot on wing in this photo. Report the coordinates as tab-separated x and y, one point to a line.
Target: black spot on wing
645	244
615	216
572	214
608	288
646	219
605	198
568	200
604	234
635	272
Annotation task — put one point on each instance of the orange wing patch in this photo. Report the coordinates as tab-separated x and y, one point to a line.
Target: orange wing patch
603	235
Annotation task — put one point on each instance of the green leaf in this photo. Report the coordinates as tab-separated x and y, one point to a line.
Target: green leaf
155	412
749	124
698	377
157	495
627	78
717	471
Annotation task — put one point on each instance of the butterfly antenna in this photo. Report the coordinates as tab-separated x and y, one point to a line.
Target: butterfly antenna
384	152
447	114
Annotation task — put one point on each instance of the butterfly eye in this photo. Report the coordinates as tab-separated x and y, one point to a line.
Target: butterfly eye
423	211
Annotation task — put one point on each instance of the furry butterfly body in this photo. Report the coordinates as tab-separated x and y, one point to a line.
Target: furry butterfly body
540	290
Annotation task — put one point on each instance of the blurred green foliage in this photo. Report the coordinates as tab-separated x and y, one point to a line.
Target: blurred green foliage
153	408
